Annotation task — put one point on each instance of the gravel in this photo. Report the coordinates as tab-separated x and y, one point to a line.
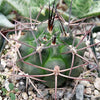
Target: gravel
85	90
24	96
80	92
97	83
67	95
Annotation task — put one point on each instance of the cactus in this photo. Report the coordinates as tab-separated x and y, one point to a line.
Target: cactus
46	47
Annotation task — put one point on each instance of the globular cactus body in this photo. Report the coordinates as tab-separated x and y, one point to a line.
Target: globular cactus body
52	56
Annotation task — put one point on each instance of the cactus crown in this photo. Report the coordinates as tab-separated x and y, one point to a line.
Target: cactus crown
44	47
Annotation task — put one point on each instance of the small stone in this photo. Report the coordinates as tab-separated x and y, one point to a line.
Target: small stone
0	98
6	98
88	91
25	96
9	64
39	95
85	83
22	88
87	99
80	92
98	33
30	97
51	91
94	35
97	83
40	86
30	93
47	97
43	93
17	85
87	42
19	78
88	55
6	70
96	93
8	57
91	66
98	55
2	80
21	99
3	63
6	84
96	40
30	88
0	91
67	95
7	46
22	85
87	96
98	36
1	68
97	49
59	94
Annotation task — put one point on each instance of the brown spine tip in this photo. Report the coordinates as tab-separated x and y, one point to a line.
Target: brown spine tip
44	38
51	18
50	28
54	40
